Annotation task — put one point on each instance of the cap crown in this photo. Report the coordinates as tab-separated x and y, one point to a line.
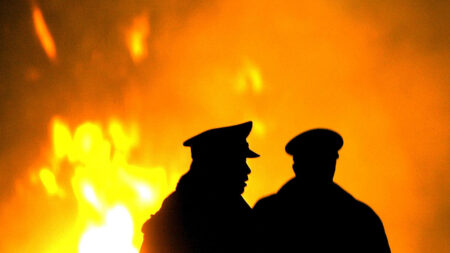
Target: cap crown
315	141
229	140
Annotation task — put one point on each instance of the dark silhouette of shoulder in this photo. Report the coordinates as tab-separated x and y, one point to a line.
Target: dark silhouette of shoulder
311	213
294	220
206	212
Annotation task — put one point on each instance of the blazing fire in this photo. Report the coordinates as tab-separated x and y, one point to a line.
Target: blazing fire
113	197
129	81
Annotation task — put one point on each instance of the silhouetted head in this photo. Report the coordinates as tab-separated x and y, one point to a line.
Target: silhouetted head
315	152
220	157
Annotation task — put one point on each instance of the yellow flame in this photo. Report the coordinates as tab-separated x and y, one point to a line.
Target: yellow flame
49	181
113	197
259	128
249	79
89	146
62	139
136	38
43	33
255	79
122	142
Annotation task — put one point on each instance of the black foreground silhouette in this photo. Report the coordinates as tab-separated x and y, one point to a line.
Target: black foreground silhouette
311	213
207	213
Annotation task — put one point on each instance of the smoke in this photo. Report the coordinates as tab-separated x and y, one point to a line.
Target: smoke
376	72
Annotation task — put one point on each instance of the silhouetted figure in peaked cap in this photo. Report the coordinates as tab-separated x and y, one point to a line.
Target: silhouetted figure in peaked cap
207	213
311	213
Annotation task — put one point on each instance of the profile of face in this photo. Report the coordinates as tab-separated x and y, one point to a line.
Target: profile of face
232	174
315	168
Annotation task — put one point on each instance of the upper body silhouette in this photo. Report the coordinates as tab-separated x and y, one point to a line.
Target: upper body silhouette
206	212
311	213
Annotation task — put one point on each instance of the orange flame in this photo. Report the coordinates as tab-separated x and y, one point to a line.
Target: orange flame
43	33
136	38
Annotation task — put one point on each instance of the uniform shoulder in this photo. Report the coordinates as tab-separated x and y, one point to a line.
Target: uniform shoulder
365	213
368	212
166	208
266	202
372	227
359	207
364	208
274	200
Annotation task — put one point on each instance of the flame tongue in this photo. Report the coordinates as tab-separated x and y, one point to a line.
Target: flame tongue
113	197
137	38
43	33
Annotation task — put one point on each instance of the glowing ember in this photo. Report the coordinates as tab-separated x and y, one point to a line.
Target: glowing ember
44	34
136	38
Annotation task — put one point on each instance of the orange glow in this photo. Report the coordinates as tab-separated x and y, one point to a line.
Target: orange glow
259	128
249	79
135	79
136	37
43	33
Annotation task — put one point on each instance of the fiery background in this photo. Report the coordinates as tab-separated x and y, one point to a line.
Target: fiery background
97	97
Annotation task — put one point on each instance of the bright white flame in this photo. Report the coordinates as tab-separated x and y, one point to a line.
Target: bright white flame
113	237
90	195
145	193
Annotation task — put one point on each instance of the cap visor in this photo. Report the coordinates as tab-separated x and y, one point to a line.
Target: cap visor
251	154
